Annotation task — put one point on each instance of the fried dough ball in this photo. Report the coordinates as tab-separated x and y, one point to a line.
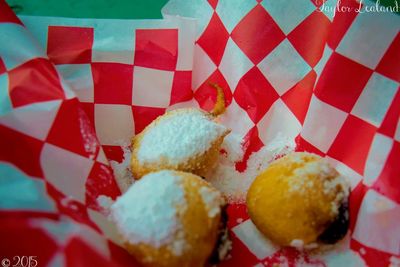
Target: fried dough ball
169	219
300	200
183	139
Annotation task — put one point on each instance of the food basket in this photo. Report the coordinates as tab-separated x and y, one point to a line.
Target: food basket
325	75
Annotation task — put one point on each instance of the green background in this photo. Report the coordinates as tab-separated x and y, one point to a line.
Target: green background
122	9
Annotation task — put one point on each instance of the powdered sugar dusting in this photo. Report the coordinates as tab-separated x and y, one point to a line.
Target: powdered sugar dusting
90	142
233	184
233	146
155	220
321	169
307	170
180	135
122	171
297	243
212	200
178	244
105	203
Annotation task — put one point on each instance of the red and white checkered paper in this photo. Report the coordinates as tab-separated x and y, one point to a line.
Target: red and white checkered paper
329	82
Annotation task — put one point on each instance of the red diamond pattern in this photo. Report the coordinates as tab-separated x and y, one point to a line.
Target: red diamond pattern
342	22
206	95
307	37
34	81
303	145
255	94
7	15
100	182
355	133
387	66
2	67
389	123
214	39
241	256
181	87
21	150
114	153
143	116
156	48
213	3
257	34
68	127
298	98
251	143
112	83
385	183
18	228
372	257
341	82
66	45
355	200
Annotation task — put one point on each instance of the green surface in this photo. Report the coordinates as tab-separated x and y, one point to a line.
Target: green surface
394	4
121	9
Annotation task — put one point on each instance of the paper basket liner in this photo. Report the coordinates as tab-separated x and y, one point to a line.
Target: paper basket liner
72	91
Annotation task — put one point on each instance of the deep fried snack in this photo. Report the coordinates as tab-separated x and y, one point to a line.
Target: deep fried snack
169	218
298	200
182	139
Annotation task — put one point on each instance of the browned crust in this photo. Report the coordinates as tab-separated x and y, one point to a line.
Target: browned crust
219	107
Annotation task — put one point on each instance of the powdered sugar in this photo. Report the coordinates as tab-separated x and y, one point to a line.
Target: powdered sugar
320	169
212	200
297	243
105	202
317	168
233	146
234	184
122	171
147	212
180	135
330	185
225	245
90	142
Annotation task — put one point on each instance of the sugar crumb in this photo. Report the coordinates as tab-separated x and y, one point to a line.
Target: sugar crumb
212	200
234	184
105	203
297	243
122	170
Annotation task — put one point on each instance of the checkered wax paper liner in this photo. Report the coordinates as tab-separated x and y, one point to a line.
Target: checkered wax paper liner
53	167
125	73
330	82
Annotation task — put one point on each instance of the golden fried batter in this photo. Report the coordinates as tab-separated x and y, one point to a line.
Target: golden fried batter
191	240
296	199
